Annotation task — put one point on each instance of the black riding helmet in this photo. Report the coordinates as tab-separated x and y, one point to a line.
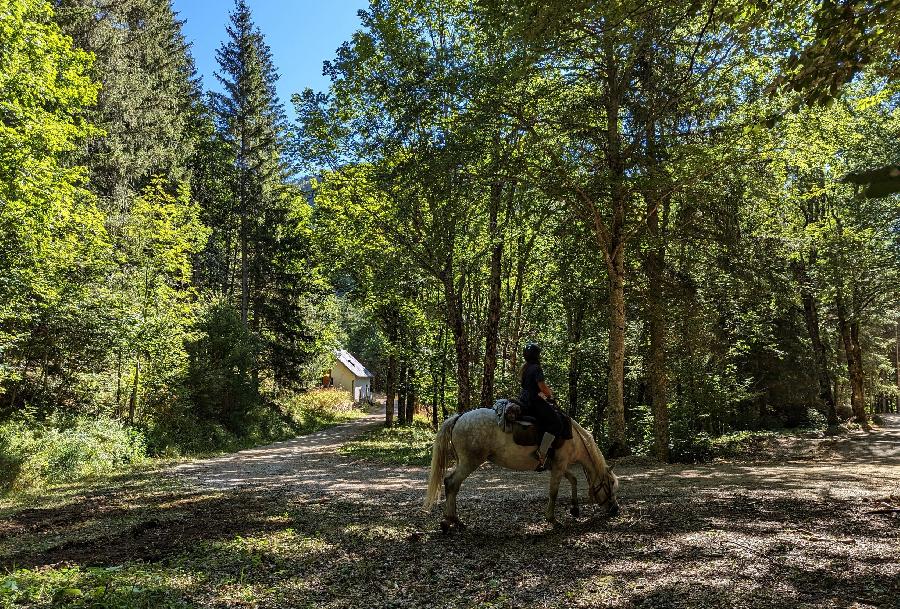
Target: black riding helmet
532	353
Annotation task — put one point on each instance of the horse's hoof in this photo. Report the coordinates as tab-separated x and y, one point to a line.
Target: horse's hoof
613	510
575	512
445	527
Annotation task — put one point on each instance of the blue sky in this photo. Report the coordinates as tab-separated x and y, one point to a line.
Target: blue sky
301	33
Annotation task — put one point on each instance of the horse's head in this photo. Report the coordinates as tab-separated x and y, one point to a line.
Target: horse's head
604	491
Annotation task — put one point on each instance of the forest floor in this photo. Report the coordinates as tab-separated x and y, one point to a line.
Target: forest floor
297	524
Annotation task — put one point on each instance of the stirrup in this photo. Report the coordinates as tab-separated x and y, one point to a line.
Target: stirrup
543	462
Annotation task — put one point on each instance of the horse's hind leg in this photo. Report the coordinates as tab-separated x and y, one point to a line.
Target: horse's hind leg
574	482
555	478
451	485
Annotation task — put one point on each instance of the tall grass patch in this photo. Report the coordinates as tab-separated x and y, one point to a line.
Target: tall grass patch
35	454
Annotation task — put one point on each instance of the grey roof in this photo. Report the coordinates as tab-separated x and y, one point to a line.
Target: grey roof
353	364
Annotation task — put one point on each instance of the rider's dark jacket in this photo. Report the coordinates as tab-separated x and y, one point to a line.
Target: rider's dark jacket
533	405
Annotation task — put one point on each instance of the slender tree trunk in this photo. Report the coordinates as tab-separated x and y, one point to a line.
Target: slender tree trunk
443	376
401	395
658	378
410	395
897	365
574	320
616	386
614	245
492	325
574	375
820	358
850	337
133	400
453	299
119	384
434	398
389	391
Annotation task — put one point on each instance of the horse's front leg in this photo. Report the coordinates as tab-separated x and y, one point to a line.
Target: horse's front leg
574	482
555	478
451	487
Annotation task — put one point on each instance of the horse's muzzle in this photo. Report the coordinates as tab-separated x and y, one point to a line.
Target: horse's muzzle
613	509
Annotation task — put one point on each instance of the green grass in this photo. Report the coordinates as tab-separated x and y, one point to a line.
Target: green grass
409	445
35	455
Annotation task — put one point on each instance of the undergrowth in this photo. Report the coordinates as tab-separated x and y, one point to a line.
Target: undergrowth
34	454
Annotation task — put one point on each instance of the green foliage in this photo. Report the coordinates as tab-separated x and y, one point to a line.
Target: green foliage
52	240
220	381
146	103
37	454
154	302
183	429
702	446
408	445
95	587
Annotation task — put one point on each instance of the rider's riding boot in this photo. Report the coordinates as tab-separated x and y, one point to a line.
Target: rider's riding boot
543	453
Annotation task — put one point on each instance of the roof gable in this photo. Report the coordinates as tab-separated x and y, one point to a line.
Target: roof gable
353	364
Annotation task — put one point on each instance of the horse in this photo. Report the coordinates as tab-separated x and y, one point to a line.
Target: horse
475	437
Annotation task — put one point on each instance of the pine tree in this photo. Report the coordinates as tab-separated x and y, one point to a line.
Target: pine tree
251	119
146	103
264	232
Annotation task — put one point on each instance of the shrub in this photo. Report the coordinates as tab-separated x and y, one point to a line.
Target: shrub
220	365
701	446
35	454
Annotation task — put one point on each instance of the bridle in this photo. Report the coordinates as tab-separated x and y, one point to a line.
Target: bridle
605	485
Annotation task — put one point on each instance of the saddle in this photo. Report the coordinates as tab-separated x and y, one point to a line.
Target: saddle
526	431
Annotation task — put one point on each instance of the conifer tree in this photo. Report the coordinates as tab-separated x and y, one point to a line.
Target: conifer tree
265	229
145	108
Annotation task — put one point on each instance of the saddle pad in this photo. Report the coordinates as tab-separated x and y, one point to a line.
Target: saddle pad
527	433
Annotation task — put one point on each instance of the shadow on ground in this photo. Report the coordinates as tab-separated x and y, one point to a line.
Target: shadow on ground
322	531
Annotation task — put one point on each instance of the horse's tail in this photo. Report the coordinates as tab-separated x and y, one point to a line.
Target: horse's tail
439	459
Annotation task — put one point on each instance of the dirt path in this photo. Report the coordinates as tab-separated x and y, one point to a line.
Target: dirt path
297	524
861	465
781	533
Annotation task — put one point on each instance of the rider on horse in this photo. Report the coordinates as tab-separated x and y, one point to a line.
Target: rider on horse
536	398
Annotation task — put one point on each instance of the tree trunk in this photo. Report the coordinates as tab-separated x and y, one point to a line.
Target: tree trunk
820	358
614	250
655	269
410	395
850	337
434	397
133	400
574	374
574	321
616	385
453	299
401	396
443	377
245	273
492	324
897	365
389	390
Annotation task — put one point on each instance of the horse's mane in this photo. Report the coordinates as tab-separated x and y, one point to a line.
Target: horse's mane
593	451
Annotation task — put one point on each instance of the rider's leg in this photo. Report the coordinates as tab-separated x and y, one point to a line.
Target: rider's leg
549	421
544	451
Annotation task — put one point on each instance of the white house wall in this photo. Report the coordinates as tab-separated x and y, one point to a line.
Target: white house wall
342	377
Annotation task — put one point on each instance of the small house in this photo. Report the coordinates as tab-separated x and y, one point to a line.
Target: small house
349	374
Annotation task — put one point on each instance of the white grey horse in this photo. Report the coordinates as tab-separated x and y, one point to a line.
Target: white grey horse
476	437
